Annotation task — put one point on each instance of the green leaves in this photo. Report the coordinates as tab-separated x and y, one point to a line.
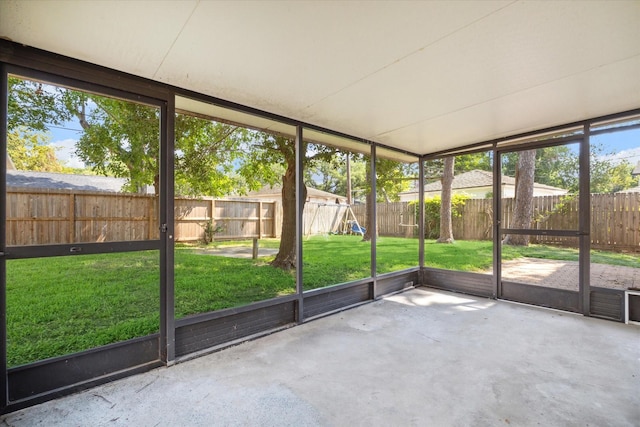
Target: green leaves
29	150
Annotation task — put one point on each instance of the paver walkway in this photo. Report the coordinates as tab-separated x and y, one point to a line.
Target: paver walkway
237	251
564	274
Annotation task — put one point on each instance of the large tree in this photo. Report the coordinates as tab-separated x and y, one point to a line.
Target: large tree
34	105
30	150
122	138
446	224
267	151
331	175
523	203
558	166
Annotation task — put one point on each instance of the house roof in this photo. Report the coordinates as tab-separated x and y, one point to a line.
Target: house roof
61	181
636	170
442	74
475	179
631	190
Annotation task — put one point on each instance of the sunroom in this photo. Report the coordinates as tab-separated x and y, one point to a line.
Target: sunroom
194	104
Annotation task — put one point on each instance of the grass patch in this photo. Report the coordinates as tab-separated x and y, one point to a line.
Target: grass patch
58	306
206	283
62	305
328	260
462	255
477	255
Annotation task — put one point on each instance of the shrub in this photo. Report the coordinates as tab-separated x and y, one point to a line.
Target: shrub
432	213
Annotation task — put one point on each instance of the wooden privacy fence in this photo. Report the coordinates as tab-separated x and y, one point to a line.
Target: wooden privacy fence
58	217
615	219
323	218
234	219
394	219
61	217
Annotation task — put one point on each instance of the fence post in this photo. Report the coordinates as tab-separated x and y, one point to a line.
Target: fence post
72	218
259	221
212	206
254	251
152	213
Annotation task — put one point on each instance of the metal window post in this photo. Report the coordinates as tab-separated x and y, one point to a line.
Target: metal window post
3	218
421	217
373	223
299	211
166	199
497	219
584	224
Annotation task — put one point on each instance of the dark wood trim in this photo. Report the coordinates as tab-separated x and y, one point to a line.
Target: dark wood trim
79	249
390	283
218	314
336	298
51	63
559	299
459	281
50	378
193	337
332	288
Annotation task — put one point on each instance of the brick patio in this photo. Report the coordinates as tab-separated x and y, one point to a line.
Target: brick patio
564	274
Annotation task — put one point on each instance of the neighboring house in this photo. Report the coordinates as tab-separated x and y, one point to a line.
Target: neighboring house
61	181
313	195
478	184
635	173
630	190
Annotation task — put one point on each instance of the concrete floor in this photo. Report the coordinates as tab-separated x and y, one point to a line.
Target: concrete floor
423	357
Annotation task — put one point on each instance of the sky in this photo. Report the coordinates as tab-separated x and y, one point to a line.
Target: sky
621	145
617	146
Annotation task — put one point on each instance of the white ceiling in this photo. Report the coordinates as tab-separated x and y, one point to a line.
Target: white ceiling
419	76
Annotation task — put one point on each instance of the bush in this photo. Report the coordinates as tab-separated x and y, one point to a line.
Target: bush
432	213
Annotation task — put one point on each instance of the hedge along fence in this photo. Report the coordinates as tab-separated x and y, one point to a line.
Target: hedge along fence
44	217
615	219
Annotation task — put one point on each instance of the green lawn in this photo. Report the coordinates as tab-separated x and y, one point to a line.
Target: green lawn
474	255
61	305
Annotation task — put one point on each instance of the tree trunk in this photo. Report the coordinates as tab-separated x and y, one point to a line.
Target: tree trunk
446	226
523	203
369	225
286	258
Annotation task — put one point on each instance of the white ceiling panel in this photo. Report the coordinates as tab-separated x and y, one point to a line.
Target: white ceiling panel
419	76
128	36
294	54
467	73
594	93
